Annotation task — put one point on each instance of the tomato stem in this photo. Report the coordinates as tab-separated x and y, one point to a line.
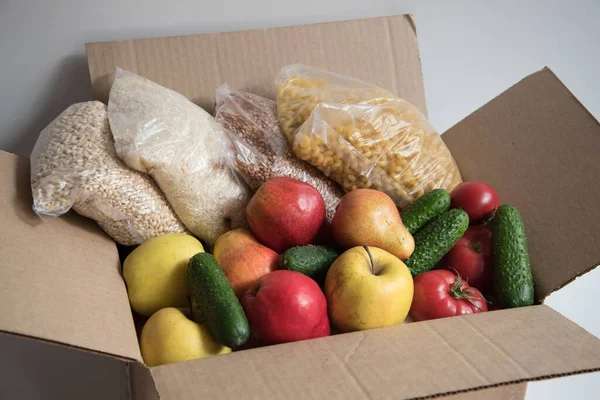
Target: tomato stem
370	259
457	291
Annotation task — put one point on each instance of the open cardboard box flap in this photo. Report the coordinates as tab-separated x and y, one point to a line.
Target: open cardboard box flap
60	280
539	146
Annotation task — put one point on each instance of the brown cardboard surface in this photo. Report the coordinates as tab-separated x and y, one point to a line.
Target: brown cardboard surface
383	51
539	147
59	280
141	385
34	369
407	361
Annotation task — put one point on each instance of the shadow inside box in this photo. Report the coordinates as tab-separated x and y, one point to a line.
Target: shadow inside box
124	251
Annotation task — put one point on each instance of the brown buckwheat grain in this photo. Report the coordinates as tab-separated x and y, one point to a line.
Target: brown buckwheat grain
262	149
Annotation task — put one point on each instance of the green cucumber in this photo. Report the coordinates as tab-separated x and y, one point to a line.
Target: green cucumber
312	261
436	239
513	279
221	309
424	209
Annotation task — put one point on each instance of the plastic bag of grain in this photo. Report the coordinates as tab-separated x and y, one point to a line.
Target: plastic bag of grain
160	132
74	165
261	149
362	136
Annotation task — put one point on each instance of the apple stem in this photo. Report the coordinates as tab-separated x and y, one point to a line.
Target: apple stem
370	259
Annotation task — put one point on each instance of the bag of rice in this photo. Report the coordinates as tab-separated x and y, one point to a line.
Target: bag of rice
261	149
74	165
160	132
362	136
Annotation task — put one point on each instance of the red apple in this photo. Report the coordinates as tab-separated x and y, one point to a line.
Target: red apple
285	306
285	212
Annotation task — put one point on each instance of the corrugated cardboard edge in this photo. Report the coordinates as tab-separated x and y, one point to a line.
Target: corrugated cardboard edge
411	20
141	382
506	392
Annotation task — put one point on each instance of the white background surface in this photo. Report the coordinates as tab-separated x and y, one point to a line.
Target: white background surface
471	51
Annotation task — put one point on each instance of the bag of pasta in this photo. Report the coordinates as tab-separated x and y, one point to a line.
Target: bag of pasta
362	136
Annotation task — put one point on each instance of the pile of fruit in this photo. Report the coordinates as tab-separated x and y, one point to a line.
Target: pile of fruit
293	276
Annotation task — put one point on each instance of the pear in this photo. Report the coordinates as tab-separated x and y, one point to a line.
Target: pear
170	337
368	217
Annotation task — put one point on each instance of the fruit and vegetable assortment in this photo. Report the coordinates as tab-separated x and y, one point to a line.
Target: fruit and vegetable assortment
446	254
406	237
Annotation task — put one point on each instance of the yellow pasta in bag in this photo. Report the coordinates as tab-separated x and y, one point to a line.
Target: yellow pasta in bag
362	136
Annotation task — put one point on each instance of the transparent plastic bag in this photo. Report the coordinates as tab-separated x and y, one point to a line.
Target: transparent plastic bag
74	165
262	151
300	88
160	132
369	139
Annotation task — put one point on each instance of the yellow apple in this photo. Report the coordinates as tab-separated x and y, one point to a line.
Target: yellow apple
367	288
156	272
169	337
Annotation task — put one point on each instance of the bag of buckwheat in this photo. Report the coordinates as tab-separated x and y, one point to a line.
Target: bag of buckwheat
74	165
261	149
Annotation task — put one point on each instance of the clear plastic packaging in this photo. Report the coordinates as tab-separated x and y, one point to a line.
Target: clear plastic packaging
74	165
300	88
160	132
362	136
262	151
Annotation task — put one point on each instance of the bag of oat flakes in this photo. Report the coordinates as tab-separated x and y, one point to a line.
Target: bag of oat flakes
261	149
74	165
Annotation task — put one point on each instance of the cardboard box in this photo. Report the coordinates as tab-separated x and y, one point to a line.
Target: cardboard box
60	281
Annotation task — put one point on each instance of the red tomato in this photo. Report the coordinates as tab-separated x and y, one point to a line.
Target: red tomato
440	294
471	257
477	199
